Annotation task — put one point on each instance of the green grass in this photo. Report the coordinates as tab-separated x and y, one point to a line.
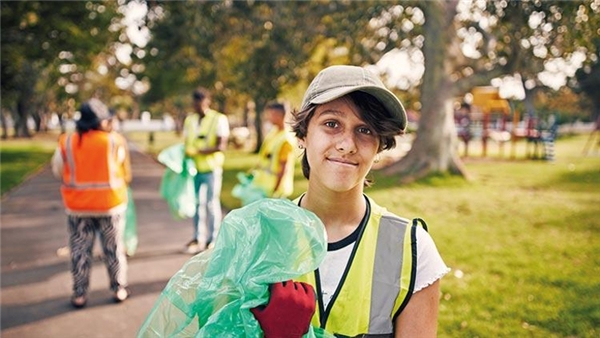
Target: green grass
522	237
20	158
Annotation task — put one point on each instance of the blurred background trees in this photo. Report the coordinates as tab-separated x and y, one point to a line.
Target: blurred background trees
150	56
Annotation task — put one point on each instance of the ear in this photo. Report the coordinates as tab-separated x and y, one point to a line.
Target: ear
300	143
106	124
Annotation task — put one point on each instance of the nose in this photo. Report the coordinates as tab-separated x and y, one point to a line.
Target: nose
346	143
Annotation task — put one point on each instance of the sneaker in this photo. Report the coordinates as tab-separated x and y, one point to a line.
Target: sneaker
193	247
78	302
121	295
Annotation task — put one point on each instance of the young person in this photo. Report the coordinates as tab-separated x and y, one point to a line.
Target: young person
274	172
381	273
205	138
93	164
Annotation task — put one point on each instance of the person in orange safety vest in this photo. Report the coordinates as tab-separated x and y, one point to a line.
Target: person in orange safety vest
93	164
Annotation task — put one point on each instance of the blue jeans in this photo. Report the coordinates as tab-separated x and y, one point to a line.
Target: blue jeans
207	218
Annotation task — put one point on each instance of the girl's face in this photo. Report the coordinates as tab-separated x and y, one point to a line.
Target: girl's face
340	146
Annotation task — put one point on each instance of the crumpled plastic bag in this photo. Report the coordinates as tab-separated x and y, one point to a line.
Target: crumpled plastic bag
130	234
269	241
177	184
174	158
245	191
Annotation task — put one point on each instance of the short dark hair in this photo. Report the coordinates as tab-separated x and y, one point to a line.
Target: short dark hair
200	94
371	111
276	106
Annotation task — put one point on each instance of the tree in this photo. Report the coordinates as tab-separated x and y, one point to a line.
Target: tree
588	81
243	49
253	48
539	31
44	41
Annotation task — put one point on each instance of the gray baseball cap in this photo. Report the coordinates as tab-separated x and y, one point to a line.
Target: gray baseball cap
336	81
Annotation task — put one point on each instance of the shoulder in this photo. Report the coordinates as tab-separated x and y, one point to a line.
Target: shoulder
190	117
222	117
385	215
119	137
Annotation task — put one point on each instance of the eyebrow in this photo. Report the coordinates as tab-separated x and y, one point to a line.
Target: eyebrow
331	112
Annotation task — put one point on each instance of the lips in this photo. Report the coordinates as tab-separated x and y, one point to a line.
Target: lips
342	161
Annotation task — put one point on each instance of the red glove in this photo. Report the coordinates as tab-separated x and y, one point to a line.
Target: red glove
289	311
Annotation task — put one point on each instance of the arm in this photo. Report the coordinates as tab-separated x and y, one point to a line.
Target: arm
220	146
419	318
286	149
127	165
57	163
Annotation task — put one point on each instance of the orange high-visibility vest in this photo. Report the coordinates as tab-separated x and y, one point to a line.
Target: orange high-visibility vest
93	177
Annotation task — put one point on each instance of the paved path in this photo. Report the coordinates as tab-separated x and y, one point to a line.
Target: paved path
36	282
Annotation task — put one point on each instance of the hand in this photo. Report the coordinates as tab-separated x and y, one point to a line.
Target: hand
289	310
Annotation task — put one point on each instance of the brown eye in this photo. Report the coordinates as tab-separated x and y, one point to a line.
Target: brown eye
364	130
331	124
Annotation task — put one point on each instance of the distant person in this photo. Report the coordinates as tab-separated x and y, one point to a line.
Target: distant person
205	138
93	164
274	172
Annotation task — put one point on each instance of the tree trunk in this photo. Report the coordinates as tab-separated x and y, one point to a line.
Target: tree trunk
21	128
3	122
435	148
258	124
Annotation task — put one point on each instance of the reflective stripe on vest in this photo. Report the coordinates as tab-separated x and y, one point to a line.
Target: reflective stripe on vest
94	183
202	134
378	282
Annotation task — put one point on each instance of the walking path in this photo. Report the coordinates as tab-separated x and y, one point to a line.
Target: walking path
35	279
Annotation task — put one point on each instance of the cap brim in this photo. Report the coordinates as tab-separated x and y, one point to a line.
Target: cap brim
391	103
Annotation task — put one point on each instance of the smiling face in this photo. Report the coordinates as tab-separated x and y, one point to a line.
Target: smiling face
340	146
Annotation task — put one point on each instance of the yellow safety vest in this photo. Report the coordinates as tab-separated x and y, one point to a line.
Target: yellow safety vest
377	282
93	179
203	134
265	177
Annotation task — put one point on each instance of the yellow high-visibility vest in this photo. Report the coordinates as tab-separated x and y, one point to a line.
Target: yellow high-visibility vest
201	134
269	165
377	282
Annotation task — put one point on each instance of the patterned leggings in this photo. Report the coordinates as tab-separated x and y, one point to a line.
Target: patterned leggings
82	233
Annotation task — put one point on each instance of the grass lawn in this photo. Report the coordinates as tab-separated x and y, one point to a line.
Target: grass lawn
522	237
22	157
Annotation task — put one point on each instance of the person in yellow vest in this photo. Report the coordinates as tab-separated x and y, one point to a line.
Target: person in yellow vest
381	274
95	171
274	172
205	135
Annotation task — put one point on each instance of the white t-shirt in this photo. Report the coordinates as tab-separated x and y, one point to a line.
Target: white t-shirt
430	266
222	127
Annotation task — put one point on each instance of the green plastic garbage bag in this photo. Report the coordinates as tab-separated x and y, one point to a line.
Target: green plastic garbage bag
174	158
245	191
130	234
177	184
268	241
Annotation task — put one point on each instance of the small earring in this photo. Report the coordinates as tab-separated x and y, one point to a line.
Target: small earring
300	146
377	158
